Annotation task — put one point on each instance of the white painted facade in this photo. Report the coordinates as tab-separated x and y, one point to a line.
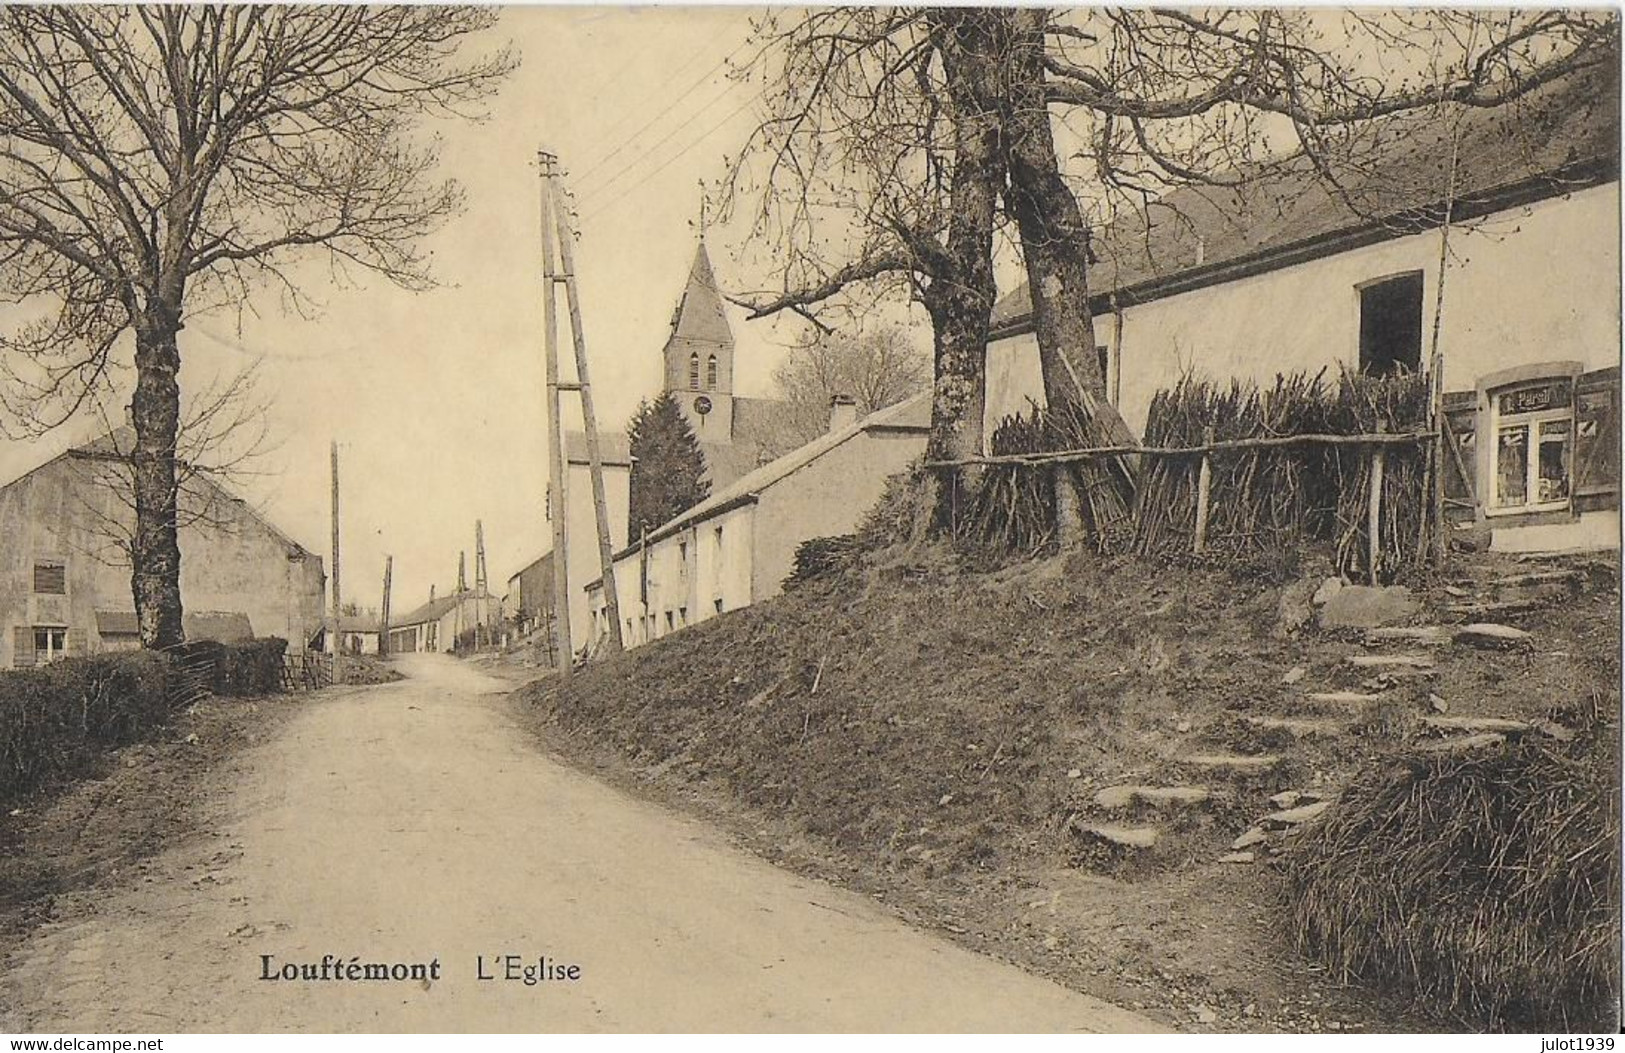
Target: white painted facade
1529	292
736	548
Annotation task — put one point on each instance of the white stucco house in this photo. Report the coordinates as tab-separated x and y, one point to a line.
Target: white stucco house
736	547
1283	274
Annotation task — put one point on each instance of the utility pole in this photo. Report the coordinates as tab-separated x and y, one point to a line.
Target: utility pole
595	462
338	637
480	587
563	650
457	600
383	624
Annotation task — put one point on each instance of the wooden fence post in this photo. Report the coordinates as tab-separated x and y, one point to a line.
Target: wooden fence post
1374	511
1204	481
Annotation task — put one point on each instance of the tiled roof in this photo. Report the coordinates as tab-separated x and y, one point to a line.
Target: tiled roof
435	609
614	448
1565	127
220	626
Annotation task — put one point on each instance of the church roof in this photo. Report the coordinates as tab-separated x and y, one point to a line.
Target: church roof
701	315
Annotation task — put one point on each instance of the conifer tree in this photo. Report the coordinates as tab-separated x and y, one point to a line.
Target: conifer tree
668	468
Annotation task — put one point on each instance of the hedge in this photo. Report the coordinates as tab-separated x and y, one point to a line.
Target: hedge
235	670
55	719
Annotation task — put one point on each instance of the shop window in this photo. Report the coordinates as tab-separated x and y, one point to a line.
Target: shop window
1391	325
1532	455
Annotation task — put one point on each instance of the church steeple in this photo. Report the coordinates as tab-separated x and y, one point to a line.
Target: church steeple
699	354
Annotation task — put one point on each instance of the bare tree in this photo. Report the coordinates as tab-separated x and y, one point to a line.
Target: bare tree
876	368
223	434
926	115
157	162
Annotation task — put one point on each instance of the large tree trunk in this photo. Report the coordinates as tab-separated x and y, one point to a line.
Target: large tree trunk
155	410
1054	236
962	288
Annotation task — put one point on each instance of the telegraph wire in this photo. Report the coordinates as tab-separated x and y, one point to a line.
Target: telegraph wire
627	191
704	77
646	155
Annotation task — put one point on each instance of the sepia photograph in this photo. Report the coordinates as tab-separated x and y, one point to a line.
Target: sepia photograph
569	519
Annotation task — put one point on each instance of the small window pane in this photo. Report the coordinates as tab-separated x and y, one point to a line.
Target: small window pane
1512	466
1554	461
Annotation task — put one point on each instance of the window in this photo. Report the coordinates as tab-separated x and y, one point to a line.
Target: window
711	373
49	644
694	371
51	578
1533	448
718	604
670	623
682	616
1391	325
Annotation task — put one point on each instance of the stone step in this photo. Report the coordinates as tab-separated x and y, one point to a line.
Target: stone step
1304	813
1298	727
1462	743
1541	577
1344	700
1236	857
1477	724
1293	798
1230	761
1420	636
1493	636
1248	838
1115	798
1390	661
1136	837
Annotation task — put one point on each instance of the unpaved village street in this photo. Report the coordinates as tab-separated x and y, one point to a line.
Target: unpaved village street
413	821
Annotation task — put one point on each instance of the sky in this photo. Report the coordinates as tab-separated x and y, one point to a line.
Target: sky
436	399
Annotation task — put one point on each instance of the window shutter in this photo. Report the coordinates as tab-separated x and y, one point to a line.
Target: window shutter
1596	438
1460	454
75	643
22	646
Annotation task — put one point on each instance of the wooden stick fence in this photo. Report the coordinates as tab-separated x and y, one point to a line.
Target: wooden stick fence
1379	442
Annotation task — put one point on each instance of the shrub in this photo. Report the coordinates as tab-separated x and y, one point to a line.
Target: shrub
1486	884
252	668
55	719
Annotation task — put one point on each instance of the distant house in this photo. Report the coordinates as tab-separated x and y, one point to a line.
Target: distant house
737	547
65	575
358	633
1283	274
530	594
436	626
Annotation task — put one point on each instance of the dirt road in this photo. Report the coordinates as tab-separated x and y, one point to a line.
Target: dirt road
411	823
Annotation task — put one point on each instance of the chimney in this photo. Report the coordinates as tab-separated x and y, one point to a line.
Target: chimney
843	412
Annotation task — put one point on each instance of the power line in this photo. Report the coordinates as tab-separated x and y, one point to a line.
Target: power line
704	77
650	152
667	163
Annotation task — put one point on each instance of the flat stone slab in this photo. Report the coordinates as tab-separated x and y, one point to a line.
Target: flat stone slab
1116	797
1297	727
1368	607
1307	813
1422	635
1231	761
1390	661
1293	798
1462	743
1342	698
1254	836
1123	836
1236	857
1492	636
1477	724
